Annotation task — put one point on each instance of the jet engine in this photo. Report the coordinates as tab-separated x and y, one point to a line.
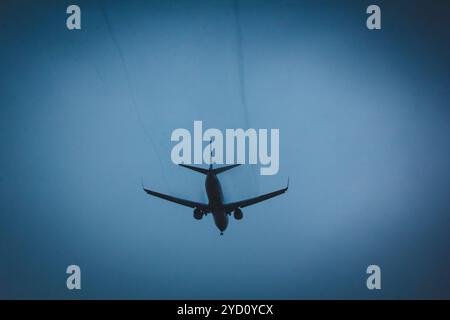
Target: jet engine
238	215
198	214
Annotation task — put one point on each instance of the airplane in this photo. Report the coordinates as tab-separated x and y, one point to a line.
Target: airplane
216	205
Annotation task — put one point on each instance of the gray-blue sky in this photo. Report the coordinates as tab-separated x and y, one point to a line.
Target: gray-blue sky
364	137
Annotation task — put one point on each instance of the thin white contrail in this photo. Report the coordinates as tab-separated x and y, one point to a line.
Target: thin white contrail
240	60
130	89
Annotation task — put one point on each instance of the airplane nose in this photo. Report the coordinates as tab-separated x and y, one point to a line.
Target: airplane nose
221	222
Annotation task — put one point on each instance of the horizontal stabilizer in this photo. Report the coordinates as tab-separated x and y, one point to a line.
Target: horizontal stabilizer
223	169
201	170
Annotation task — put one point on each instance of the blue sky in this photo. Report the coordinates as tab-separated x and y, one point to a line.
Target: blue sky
364	137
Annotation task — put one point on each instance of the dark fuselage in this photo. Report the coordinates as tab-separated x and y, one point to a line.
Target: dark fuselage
215	198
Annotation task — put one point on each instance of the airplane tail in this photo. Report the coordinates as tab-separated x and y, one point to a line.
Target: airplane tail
201	170
223	169
211	169
206	171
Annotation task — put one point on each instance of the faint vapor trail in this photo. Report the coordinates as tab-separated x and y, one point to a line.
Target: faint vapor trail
130	88
241	73
240	58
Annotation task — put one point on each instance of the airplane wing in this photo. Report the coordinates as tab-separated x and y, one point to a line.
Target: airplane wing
248	202
187	203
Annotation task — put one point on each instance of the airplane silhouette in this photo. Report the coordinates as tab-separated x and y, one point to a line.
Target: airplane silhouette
216	206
